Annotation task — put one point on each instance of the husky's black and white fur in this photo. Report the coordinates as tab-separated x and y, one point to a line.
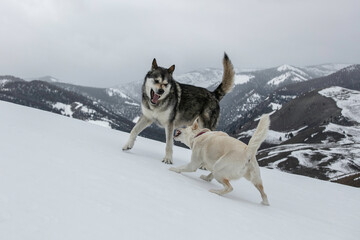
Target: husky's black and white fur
171	104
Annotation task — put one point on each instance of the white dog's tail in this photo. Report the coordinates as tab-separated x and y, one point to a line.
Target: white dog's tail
259	136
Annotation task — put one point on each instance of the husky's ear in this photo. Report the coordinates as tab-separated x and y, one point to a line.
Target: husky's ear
171	69
154	65
195	125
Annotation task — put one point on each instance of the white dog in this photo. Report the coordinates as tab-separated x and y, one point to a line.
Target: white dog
225	157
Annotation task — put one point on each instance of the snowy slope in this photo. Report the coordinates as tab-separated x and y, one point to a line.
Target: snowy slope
346	99
62	178
201	78
325	69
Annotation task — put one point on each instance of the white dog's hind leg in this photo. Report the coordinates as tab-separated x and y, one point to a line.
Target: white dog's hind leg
207	178
227	187
265	200
139	126
253	175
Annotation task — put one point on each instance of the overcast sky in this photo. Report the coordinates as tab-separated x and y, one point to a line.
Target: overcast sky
103	43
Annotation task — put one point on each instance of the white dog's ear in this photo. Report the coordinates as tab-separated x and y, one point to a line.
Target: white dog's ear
154	65
195	124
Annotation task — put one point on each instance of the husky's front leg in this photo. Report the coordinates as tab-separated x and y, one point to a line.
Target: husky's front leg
139	126
169	130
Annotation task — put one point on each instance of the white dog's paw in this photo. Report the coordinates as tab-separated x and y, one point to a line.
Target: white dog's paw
128	146
218	192
206	178
174	169
167	160
265	202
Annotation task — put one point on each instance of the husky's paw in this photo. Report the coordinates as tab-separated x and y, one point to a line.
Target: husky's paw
206	178
265	202
167	160
174	169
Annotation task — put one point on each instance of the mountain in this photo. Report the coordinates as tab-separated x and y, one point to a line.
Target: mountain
201	78
325	69
258	86
8	78
114	99
315	132
347	78
49	97
47	78
72	181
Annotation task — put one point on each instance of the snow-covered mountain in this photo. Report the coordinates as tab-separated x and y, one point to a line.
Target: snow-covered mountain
325	69
73	181
245	97
106	107
47	78
201	78
118	101
317	134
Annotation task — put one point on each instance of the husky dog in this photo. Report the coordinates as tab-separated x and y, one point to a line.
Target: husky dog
225	157
171	104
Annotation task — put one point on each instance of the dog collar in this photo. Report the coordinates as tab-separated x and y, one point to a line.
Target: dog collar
200	133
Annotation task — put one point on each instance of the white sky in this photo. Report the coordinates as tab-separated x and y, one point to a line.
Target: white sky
103	43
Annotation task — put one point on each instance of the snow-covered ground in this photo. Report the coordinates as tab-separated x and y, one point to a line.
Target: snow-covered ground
61	178
325	69
273	137
113	91
346	99
242	78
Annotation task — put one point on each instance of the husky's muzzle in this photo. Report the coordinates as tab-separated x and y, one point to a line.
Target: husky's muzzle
156	96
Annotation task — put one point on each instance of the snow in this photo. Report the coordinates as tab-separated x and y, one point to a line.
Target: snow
288	72
3	82
285	68
116	92
346	99
345	151
132	103
275	106
280	79
274	137
64	108
242	78
201	78
136	119
63	178
352	133
253	98
325	69
103	123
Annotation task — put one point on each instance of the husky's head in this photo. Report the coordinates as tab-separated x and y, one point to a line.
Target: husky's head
158	82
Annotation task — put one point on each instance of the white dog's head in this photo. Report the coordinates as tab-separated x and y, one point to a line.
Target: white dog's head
187	135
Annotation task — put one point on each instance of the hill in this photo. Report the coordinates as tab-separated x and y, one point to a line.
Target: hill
92	104
73	181
317	134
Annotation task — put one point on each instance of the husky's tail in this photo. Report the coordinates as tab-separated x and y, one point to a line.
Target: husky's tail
259	136
228	79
